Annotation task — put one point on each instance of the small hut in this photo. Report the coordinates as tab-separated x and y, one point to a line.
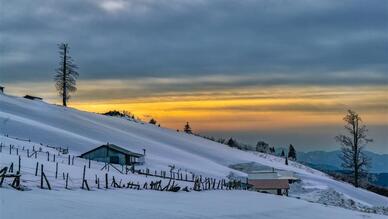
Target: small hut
32	97
1	89
110	153
275	186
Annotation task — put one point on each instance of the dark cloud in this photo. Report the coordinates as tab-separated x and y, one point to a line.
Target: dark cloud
308	42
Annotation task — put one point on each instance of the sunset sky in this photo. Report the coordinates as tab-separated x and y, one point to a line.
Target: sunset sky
280	71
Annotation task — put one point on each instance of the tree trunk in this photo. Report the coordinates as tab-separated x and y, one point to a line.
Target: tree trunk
355	156
64	95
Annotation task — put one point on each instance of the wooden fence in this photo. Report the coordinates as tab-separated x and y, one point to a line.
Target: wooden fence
197	182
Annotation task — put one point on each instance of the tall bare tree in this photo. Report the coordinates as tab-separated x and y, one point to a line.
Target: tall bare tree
66	74
353	144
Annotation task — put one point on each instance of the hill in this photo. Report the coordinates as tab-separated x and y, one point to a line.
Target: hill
27	123
379	162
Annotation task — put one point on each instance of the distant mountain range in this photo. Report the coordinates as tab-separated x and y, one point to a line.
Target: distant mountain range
330	161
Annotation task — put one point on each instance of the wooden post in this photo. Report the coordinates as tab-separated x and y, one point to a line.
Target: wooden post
48	156
2	175
89	163
28	153
56	170
83	177
67	179
69	160
17	151
10	149
41	176
36	169
54	158
106	180
72	161
11	168
19	164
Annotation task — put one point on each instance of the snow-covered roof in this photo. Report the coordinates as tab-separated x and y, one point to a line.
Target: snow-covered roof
116	148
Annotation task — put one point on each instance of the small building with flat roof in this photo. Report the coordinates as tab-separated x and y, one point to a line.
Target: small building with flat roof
274	186
32	97
110	153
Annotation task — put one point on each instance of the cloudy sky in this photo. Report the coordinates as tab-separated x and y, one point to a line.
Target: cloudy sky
281	71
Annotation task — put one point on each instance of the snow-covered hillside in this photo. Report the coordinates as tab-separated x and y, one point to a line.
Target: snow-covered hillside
47	124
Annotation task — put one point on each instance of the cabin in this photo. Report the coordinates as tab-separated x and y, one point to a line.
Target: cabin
274	186
266	179
1	89
110	153
32	97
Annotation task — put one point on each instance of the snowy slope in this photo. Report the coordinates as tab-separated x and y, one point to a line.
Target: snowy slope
81	131
149	204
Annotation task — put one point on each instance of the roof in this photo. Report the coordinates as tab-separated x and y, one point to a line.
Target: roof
263	175
269	183
33	97
116	148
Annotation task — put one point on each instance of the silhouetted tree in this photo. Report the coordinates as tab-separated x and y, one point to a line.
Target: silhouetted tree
292	152
286	162
282	154
187	128
353	145
153	121
262	147
232	143
66	74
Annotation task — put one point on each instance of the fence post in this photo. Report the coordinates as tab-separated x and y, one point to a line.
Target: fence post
67	179
41	176
11	168
36	169
83	177
56	170
19	164
106	180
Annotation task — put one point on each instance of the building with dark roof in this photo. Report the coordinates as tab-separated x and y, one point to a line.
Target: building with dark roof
110	153
32	97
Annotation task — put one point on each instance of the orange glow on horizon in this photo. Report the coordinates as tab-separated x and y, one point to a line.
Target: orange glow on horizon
277	110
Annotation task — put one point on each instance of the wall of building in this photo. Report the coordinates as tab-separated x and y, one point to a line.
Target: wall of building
98	155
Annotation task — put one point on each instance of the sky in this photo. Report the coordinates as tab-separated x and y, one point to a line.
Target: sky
280	71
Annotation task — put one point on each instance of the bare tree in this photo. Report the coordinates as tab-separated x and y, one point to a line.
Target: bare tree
353	144
66	75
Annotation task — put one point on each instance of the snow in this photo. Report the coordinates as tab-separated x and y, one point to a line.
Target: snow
150	204
45	124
